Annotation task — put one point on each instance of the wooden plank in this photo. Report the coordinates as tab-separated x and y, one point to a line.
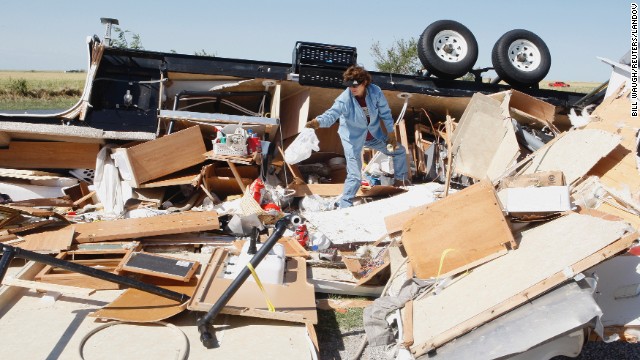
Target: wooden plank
183	222
236	175
293	248
407	314
302	190
551	253
420	146
8	294
40	286
26	210
619	169
311	331
171	180
59	202
293	169
49	155
401	130
30	174
166	155
294	300
457	231
407	324
108	260
246	160
49	241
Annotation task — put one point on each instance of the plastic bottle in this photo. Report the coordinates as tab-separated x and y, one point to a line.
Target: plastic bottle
319	241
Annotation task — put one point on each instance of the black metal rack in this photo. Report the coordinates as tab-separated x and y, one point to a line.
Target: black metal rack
322	64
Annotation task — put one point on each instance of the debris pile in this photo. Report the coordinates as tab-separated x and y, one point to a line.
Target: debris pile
512	215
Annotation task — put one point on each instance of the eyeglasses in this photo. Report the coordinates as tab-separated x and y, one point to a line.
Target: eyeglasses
352	83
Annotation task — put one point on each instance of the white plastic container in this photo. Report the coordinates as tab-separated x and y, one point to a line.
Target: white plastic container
270	270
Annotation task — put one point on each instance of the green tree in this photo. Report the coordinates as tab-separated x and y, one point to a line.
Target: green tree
121	41
400	58
203	53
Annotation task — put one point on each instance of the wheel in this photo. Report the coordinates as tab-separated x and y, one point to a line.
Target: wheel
447	49
521	58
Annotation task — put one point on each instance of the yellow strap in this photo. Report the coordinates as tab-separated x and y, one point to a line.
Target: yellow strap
266	297
444	253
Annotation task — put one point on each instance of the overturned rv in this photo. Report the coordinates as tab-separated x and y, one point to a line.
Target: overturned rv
135	94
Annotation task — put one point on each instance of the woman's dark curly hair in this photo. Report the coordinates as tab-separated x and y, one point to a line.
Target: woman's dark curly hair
358	73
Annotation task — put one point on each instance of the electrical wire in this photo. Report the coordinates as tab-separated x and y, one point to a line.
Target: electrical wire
223	101
184	352
131	82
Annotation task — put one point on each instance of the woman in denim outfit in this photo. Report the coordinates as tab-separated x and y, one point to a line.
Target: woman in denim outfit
362	108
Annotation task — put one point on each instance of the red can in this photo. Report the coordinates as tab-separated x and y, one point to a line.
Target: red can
302	235
253	144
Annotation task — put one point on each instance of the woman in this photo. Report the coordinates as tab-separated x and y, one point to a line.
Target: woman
363	112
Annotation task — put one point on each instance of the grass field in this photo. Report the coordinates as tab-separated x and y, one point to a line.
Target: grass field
42	90
39	90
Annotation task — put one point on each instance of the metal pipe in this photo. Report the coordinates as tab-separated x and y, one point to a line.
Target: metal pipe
208	338
10	251
7	256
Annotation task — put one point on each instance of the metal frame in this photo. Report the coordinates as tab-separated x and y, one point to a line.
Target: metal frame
10	252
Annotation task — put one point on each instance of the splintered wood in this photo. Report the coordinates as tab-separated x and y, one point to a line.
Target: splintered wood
457	232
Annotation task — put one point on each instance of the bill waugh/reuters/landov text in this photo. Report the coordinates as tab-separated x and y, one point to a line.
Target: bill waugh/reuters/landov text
634	60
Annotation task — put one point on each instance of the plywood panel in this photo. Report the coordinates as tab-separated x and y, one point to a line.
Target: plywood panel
478	137
294	112
575	153
158	225
49	155
548	255
294	300
166	155
49	241
461	230
619	169
140	306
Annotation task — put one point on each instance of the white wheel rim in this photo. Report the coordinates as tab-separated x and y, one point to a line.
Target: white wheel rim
450	46
524	55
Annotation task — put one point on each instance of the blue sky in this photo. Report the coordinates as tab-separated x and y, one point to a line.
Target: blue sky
50	35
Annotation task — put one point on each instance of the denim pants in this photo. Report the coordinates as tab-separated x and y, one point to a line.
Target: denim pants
354	167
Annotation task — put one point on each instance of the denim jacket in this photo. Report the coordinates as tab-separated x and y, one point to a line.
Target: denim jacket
353	123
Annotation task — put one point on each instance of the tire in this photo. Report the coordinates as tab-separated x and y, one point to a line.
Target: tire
447	49
521	58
